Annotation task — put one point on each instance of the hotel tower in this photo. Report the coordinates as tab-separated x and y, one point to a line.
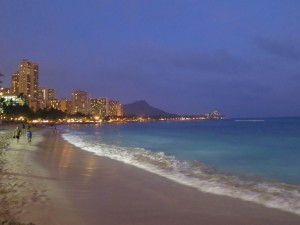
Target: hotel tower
80	102
25	81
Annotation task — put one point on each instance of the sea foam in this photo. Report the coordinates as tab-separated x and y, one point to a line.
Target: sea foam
195	174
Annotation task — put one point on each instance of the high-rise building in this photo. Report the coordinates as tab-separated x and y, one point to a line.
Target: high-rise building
99	107
54	103
60	104
15	83
5	92
65	105
25	82
45	95
115	108
80	102
11	100
105	107
120	111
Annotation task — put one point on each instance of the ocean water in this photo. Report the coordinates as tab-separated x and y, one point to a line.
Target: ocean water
254	160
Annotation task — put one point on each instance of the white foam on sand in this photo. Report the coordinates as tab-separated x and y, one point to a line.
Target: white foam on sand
197	175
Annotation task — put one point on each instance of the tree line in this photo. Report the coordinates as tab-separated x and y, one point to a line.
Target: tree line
11	109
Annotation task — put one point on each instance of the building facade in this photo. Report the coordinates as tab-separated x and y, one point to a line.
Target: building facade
80	102
25	82
15	77
60	104
102	107
45	95
25	86
99	107
6	92
65	105
112	108
120	111
11	100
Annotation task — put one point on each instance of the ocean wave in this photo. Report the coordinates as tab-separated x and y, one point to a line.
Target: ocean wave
195	174
249	120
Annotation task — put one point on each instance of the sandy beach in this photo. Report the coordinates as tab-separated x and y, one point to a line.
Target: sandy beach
51	182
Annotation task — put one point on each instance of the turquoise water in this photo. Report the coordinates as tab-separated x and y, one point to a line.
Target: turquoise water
255	160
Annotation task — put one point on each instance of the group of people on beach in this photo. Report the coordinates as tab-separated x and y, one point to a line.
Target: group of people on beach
17	133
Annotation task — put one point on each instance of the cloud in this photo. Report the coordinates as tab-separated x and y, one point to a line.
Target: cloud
217	62
207	79
282	49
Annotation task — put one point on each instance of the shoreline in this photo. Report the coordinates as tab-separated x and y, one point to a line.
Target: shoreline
71	186
11	186
30	194
164	158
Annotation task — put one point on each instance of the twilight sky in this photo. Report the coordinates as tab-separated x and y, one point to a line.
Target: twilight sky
183	56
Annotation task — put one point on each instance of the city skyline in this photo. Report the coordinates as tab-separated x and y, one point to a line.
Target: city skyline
239	57
25	82
25	89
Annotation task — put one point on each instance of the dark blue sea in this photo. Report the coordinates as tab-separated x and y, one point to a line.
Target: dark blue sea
255	160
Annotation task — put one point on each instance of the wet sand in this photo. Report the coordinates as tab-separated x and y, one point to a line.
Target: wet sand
59	184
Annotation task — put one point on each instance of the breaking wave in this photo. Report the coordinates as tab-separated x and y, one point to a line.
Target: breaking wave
195	174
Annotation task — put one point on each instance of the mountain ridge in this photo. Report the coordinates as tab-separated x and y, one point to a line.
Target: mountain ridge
142	108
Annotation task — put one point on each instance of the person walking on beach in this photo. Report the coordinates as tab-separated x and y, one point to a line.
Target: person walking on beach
17	133
29	135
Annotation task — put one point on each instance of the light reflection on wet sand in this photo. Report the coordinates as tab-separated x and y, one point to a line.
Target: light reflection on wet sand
100	188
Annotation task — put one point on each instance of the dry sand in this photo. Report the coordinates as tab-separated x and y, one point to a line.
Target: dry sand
55	183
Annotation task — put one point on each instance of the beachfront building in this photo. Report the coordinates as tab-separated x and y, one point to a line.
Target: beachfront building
25	82
45	95
120	111
101	107
115	108
6	92
15	83
10	100
54	103
215	115
63	105
80	102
